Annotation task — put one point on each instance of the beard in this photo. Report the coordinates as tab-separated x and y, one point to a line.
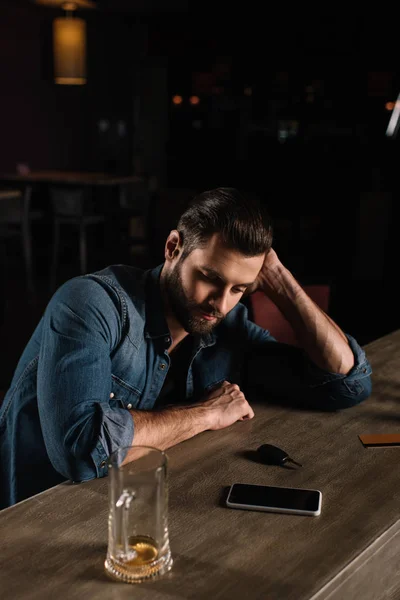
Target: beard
186	309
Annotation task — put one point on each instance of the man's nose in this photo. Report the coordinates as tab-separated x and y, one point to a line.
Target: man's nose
220	303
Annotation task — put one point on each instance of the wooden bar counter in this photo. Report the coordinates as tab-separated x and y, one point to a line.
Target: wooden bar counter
54	544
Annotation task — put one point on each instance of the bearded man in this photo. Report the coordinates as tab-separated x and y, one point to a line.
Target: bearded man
125	357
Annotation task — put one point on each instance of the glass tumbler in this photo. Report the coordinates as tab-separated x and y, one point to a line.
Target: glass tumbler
138	540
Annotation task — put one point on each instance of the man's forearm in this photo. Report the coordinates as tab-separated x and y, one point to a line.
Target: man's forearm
321	338
168	427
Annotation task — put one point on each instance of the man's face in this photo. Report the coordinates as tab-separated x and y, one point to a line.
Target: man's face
208	283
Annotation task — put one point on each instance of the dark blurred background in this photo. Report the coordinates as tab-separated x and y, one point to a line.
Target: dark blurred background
288	104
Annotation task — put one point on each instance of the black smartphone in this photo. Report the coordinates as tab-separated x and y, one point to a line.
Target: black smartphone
275	499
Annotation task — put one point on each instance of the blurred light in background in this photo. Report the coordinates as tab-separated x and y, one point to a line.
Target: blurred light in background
194	100
57	3
177	100
391	130
69	44
287	130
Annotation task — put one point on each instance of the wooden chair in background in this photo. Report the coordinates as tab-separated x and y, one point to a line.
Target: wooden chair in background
267	315
16	219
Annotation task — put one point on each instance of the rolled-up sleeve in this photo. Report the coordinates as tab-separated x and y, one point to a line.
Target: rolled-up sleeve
285	373
115	432
338	390
82	326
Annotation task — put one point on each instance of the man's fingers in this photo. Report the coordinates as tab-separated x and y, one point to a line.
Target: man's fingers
224	388
230	387
228	405
250	415
234	392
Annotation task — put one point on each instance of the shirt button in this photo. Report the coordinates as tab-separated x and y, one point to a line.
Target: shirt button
167	340
162	366
103	464
129	406
112	395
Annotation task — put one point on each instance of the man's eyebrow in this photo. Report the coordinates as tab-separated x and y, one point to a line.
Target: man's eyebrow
211	271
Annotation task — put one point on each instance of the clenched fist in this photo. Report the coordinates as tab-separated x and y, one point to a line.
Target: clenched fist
227	404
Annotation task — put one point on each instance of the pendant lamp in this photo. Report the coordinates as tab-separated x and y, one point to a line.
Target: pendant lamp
69	47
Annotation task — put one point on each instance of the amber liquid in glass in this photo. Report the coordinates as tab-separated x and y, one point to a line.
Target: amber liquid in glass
145	548
144	561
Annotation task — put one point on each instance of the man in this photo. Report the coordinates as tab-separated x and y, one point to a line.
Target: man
128	357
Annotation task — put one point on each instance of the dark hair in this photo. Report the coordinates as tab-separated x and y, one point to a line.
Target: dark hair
242	223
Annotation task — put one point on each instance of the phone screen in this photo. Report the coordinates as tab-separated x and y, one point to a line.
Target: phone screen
279	497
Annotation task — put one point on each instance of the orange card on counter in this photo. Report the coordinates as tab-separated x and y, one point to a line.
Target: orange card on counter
380	439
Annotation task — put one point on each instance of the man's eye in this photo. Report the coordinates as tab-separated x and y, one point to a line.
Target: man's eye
208	277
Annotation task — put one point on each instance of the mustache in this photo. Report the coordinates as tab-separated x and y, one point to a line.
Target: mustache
212	312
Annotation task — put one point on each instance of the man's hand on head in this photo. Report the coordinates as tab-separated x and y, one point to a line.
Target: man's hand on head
271	260
322	339
270	270
270	266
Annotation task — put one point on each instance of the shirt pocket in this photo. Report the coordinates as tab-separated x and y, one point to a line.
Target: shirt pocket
125	396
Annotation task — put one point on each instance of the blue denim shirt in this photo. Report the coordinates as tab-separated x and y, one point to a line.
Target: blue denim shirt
106	333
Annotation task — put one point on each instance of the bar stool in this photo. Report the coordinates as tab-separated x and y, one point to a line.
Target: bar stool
72	207
16	218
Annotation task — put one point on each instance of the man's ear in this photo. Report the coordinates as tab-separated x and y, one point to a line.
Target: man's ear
173	245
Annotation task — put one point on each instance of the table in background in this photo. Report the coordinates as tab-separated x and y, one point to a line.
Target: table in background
69	178
54	544
113	198
73	179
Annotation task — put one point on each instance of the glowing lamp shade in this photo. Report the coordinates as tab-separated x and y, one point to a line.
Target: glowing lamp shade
69	40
